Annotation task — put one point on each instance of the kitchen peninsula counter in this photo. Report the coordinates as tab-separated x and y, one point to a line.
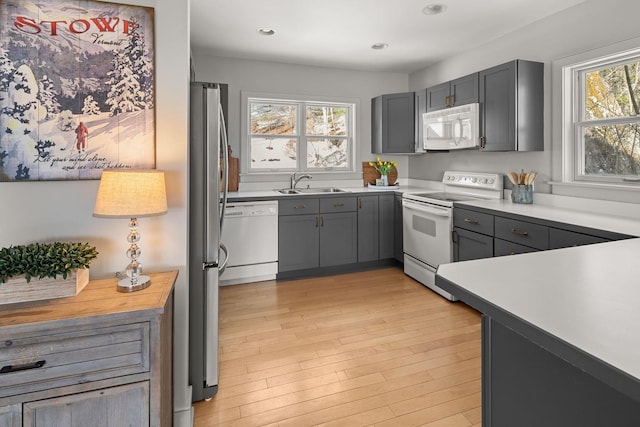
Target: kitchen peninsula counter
561	334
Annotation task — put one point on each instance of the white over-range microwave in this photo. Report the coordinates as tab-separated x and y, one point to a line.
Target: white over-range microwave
453	128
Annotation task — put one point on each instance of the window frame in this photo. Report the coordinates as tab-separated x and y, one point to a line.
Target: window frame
301	102
574	118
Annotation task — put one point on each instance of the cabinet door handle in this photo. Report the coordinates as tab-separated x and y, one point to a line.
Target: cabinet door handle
483	142
317	221
359	203
471	221
299	207
338	205
321	221
24	367
519	233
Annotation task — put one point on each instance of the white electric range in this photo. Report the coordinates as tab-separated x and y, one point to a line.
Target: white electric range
428	222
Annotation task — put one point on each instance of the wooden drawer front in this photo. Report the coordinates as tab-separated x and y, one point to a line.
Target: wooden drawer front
502	247
473	221
522	232
298	206
63	359
564	239
338	204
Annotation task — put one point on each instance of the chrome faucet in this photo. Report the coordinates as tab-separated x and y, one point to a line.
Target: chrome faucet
294	180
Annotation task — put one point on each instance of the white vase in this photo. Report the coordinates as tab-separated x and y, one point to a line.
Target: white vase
385	180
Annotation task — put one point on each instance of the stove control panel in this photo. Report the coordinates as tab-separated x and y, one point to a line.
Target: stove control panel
479	180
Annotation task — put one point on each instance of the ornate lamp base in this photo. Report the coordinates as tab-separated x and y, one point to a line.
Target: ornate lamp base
127	285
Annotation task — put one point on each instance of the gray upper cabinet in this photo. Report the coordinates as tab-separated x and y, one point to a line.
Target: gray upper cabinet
461	91
511	107
393	127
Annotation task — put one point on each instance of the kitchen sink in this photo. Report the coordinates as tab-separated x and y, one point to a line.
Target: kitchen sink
311	190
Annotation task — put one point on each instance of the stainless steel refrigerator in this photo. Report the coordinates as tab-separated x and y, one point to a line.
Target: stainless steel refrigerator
208	166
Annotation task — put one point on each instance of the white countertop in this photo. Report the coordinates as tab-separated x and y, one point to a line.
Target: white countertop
587	296
614	223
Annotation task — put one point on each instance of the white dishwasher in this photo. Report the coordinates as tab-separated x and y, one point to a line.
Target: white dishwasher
250	233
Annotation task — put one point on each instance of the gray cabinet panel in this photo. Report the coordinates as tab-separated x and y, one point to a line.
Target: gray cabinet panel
114	407
461	91
386	209
437	96
421	108
503	247
464	90
474	221
368	231
511	106
564	239
298	206
338	239
468	245
298	242
397	229
522	232
393	123
526	385
338	204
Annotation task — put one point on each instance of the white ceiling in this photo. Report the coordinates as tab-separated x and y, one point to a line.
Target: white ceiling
339	33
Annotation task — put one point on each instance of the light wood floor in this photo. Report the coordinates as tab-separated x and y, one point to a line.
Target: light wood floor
364	349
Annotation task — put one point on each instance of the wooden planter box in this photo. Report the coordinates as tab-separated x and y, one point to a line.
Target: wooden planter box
16	289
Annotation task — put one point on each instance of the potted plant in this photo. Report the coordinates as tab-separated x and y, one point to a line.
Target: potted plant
44	270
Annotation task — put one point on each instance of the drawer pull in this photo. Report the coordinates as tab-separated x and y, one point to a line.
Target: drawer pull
519	233
470	221
338	205
25	367
299	207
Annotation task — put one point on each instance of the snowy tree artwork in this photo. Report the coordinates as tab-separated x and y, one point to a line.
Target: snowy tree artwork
76	89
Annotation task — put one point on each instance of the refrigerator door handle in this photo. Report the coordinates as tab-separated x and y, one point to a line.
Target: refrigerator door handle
211	328
225	167
224	249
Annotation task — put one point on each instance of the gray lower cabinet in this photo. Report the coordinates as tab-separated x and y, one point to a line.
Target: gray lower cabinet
398	253
484	233
377	227
317	233
468	245
511	107
368	228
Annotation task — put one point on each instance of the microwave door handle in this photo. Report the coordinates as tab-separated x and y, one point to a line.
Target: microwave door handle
458	139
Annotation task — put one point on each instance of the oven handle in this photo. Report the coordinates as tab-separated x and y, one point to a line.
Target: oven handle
421	207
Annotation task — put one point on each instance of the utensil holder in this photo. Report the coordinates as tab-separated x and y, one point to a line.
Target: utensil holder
522	194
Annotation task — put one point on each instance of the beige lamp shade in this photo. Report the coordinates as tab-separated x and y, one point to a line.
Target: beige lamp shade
131	194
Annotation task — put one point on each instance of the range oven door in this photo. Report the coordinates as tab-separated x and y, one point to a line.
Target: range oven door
427	243
426	232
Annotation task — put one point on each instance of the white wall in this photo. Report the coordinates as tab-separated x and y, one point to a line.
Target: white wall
62	210
277	78
581	28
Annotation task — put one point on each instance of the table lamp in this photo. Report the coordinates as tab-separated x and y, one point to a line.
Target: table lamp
131	194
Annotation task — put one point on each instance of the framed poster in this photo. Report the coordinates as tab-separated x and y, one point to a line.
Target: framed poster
76	89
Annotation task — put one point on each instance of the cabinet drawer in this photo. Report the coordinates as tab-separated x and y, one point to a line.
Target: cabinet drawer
298	206
564	239
502	247
473	221
522	232
61	359
337	204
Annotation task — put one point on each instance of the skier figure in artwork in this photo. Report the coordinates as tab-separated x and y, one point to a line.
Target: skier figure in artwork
81	137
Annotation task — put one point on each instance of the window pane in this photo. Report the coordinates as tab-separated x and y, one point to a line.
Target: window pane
273	119
327	152
612	150
326	121
613	92
273	153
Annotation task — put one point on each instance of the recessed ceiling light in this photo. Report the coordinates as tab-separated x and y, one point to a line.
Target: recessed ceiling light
434	9
379	46
266	31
